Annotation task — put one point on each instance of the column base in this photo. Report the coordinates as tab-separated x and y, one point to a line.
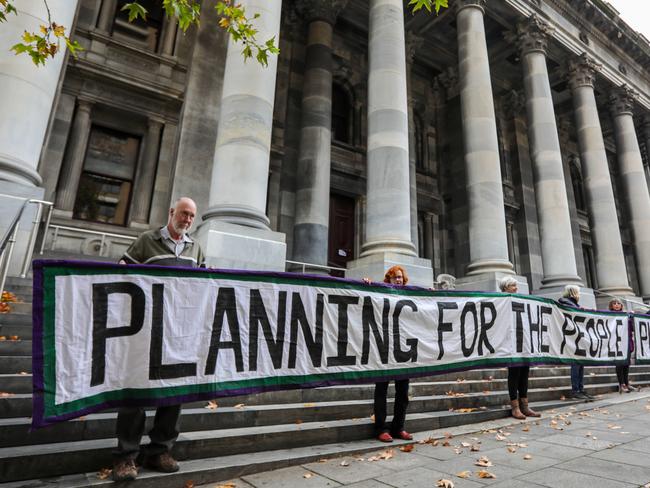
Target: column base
490	282
501	267
560	280
233	246
587	298
375	266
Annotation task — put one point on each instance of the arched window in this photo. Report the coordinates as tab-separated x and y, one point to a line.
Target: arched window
341	115
578	186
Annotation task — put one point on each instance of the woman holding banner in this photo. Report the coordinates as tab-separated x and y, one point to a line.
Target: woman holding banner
570	298
396	275
517	375
623	370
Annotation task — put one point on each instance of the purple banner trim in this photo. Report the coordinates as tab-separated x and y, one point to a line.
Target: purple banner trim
38	384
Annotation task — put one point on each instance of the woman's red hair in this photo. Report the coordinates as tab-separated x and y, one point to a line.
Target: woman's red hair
392	272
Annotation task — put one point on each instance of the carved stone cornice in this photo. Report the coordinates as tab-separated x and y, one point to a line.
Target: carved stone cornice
622	100
413	43
582	71
461	4
514	103
533	34
325	10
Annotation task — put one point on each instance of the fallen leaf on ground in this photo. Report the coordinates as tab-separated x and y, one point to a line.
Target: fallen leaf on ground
298	421
464	474
528	457
484	462
460	380
227	485
614	427
465	444
345	463
308	475
3	338
499	437
4	394
14	338
475	448
372	417
446	444
526	428
308	404
240	405
562	398
466	410
212	405
104	473
448	435
443	483
407	448
189	484
23	373
512	449
458	450
485	474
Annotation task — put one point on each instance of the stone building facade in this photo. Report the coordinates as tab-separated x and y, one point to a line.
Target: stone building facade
501	137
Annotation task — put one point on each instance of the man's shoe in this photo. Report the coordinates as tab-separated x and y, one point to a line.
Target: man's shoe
587	396
405	436
163	463
124	470
385	437
631	388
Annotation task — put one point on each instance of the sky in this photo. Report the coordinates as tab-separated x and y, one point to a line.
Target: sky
636	13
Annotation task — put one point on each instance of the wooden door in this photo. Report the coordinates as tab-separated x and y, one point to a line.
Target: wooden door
341	232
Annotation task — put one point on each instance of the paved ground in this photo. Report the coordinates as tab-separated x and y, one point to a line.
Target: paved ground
602	444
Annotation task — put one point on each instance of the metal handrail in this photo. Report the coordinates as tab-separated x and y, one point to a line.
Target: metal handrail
317	266
103	235
8	241
623	298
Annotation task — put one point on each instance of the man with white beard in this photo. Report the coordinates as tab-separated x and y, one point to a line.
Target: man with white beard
168	246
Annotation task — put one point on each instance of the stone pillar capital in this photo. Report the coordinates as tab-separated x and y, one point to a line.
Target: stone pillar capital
622	100
85	105
533	34
413	43
479	4
325	10
155	122
582	71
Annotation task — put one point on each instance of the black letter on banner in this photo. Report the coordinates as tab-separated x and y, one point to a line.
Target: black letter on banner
577	320
444	326
257	316
643	336
381	338
101	331
603	334
412	353
519	308
226	307
341	359
485	326
157	370
533	326
470	307
543	327
566	331
315	341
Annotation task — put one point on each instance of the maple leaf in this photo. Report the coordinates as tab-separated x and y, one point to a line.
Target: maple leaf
212	405
240	405
189	484
308	475
528	457
484	462
475	448
104	473
407	448
526	428
298	421
464	474
512	449
443	483
345	463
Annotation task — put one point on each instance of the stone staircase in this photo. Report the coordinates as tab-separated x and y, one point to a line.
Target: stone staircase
248	433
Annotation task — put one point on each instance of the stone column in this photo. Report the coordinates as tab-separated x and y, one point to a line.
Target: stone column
74	159
487	223
27	93
168	40
608	249
310	230
413	42
235	232
388	219
146	173
107	16
558	255
634	182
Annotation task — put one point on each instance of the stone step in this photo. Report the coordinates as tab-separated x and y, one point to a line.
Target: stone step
15	364
20	347
14	431
20	307
16	318
24	331
46	460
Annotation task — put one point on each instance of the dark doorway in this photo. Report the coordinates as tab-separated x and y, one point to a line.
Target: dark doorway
341	232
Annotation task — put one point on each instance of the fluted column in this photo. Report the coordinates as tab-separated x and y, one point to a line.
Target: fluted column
73	161
310	231
388	221
241	161
107	15
558	256
608	248
235	229
634	182
413	43
487	224
28	91
146	174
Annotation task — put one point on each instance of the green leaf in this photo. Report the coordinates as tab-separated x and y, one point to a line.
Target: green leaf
135	10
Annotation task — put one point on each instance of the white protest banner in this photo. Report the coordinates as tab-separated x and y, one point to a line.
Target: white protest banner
108	335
